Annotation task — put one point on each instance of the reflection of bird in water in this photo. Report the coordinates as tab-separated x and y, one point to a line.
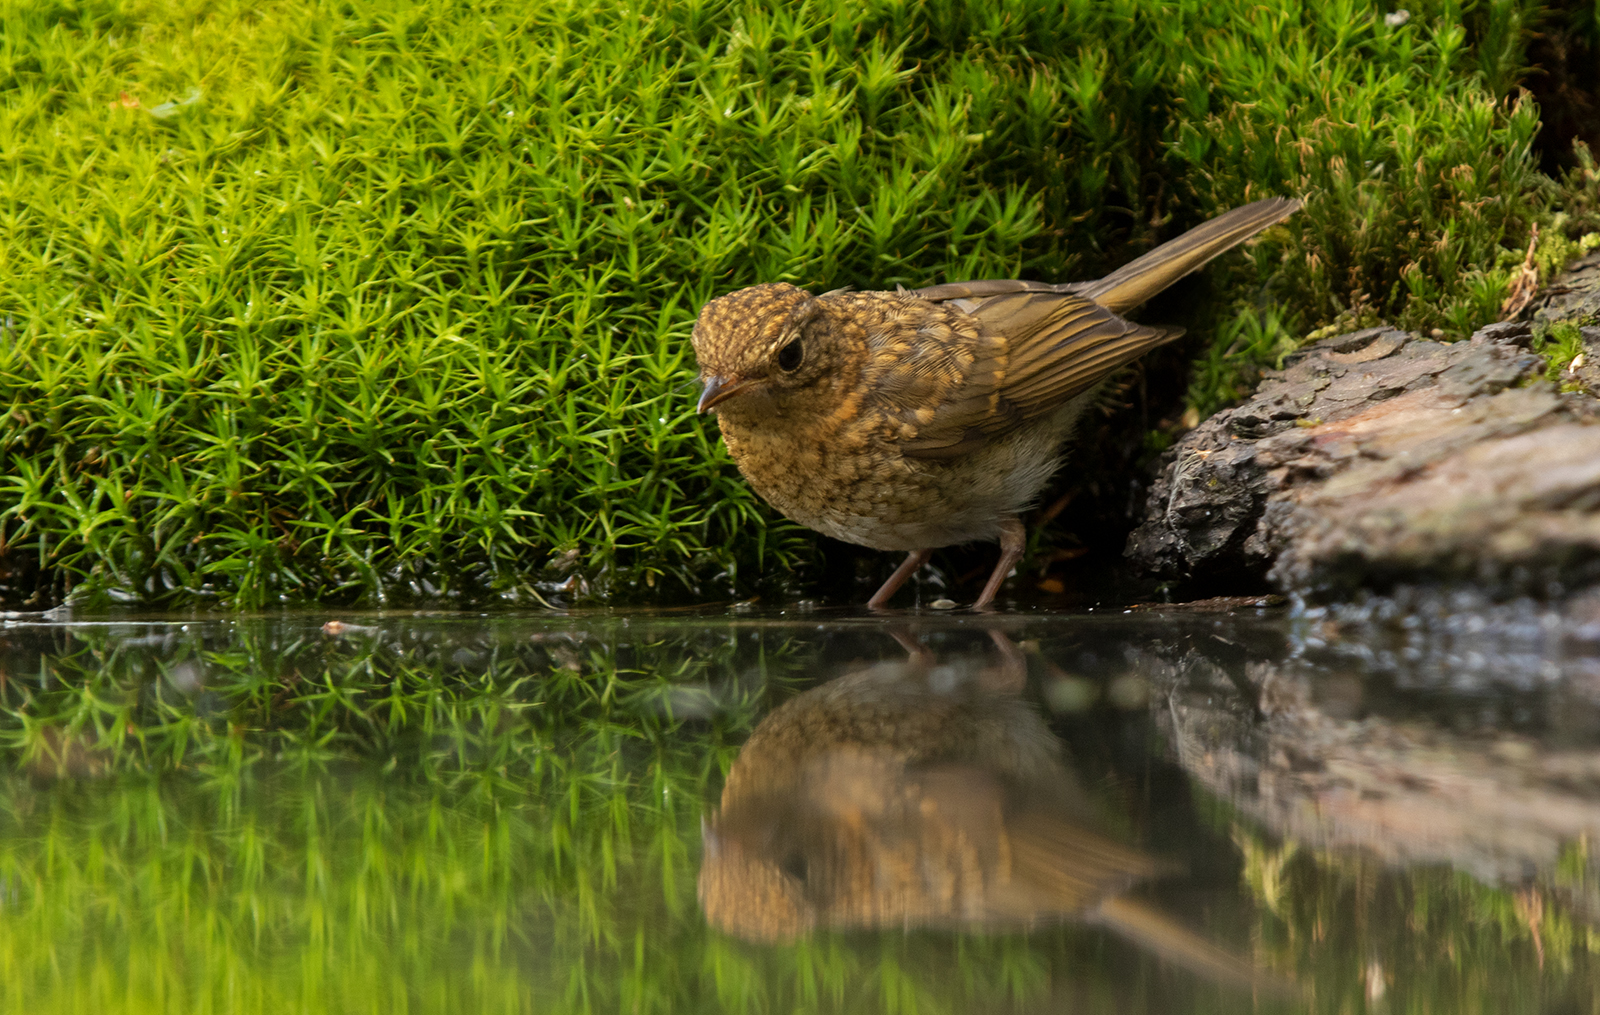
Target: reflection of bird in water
911	794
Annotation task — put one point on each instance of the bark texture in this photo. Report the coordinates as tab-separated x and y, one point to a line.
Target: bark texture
1379	458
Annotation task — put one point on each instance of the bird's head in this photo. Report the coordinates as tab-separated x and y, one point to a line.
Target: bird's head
754	882
768	339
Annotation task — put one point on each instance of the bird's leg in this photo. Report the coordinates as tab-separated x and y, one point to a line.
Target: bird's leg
919	657
907	568
1013	540
1011	676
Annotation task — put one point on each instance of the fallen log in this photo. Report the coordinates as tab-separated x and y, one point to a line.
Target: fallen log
1380	458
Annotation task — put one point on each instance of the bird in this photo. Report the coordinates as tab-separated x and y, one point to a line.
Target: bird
924	794
923	418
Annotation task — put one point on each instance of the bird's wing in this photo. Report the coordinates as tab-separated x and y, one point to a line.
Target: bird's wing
984	288
1060	867
1034	350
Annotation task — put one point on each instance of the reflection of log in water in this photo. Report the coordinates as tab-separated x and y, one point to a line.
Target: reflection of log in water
912	794
1305	751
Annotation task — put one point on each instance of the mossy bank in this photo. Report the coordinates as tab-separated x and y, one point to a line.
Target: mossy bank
376	301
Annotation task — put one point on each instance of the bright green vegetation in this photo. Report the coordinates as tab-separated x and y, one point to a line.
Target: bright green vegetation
379	301
1560	344
458	815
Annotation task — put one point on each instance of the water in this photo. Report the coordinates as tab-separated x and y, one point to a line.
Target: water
1147	812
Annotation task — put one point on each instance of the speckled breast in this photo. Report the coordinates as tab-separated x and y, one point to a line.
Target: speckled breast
860	489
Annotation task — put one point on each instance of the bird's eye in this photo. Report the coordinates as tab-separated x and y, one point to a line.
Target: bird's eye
794	865
789	356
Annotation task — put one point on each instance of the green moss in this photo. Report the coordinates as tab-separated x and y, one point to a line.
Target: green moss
1228	368
376	300
1559	344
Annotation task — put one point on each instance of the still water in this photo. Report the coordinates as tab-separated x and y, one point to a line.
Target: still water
1167	811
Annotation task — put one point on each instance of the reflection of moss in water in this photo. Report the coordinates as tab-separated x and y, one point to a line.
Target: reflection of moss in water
323	895
1425	939
506	700
356	892
277	821
507	819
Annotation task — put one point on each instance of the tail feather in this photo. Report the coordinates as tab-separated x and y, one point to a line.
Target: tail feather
1179	945
1140	279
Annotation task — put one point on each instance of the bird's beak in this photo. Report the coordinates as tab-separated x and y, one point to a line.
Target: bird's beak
720	389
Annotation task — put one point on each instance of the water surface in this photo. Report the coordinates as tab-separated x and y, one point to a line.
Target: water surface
1154	811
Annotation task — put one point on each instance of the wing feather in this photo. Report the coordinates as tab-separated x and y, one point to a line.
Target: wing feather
1043	349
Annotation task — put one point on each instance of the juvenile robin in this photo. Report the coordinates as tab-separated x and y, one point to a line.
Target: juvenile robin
914	794
924	418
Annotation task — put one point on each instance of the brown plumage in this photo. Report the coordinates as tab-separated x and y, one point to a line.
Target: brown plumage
922	418
911	795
